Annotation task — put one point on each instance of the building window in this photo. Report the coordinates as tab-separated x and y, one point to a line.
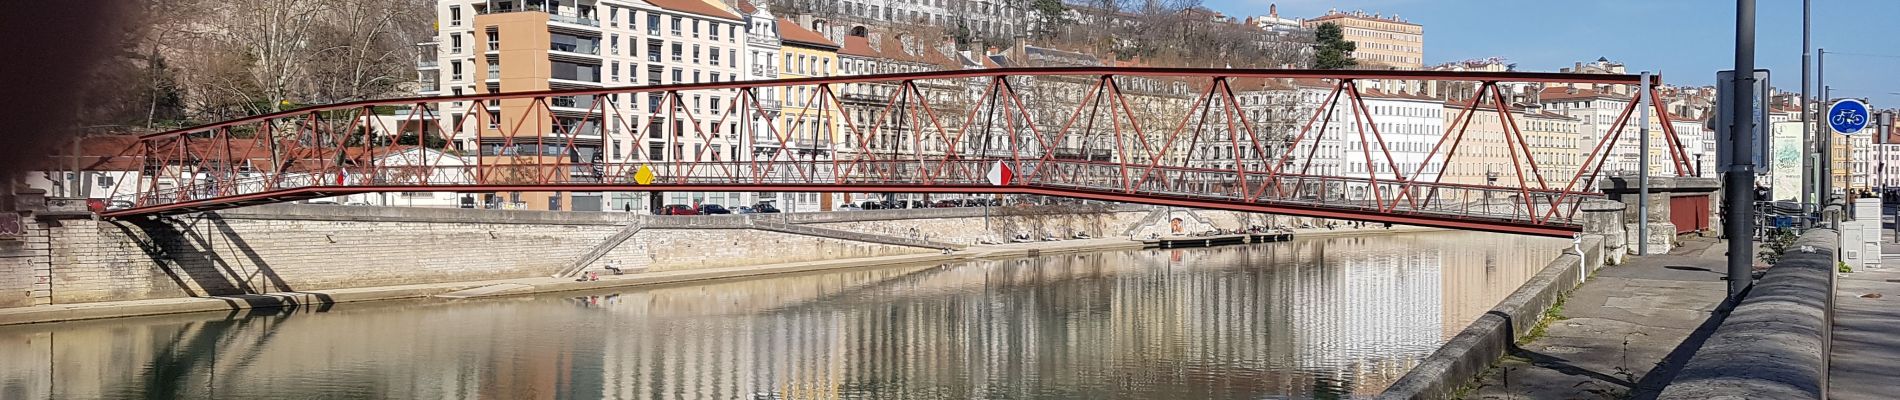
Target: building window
696	28
455	44
713	32
695	54
615	75
715	56
455	15
653	25
455	71
617	154
677	50
676	26
732	57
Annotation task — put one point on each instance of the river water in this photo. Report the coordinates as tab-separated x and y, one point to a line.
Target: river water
1313	318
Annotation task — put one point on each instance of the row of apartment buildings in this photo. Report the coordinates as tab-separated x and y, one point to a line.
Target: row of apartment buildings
493	46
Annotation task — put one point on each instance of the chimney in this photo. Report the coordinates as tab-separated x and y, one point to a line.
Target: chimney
1017	48
947	44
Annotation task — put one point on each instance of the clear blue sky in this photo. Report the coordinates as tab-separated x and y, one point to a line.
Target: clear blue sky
1685	40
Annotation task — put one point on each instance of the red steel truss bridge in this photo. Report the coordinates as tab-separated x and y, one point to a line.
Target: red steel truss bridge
1380	146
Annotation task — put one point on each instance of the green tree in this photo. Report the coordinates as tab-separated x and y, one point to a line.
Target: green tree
1051	16
1330	48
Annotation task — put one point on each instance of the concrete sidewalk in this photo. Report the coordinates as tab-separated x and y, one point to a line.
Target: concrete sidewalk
1623	334
1866	339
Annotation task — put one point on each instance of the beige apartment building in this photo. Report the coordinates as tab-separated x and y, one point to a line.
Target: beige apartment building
495	46
1383	41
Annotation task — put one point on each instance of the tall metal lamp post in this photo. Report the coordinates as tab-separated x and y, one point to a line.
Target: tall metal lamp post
1739	183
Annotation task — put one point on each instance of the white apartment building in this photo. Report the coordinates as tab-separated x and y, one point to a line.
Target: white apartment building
1599	111
1862	166
1886	168
983	18
1410	126
1699	142
500	46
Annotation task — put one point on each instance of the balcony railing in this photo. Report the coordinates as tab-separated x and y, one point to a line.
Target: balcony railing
426	64
584	102
580	48
574	20
764	71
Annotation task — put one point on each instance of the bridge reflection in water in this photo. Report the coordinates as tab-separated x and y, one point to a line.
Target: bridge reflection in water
1310	318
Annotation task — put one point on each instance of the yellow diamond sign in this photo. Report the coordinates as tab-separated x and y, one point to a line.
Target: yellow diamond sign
644	176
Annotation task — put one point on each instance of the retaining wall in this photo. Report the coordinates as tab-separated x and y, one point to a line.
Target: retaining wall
1773	344
1491	336
281	248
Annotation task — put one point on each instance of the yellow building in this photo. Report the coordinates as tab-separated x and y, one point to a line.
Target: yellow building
1556	140
1381	40
807	121
1480	156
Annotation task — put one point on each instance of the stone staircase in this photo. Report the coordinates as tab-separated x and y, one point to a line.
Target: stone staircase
808	230
606	245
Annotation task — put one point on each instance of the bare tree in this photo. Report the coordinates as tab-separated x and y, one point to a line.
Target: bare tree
366	50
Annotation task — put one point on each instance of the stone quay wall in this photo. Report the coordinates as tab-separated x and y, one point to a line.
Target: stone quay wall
72	258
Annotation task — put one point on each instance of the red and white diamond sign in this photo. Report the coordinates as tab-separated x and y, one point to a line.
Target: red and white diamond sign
1000	174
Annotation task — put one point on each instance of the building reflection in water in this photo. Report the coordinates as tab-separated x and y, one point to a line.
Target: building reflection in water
1310	318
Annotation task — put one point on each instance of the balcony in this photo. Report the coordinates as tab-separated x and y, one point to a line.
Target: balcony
765	71
577	104
427	64
586	51
574	20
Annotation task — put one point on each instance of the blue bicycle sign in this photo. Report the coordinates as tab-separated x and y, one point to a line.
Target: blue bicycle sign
1847	116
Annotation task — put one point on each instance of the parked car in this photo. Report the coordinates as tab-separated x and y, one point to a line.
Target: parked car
713	209
744	210
764	208
678	209
872	205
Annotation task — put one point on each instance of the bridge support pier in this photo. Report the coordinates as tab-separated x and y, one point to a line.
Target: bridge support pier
1605	218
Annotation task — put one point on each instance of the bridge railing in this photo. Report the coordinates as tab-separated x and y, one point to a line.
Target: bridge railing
1361	194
